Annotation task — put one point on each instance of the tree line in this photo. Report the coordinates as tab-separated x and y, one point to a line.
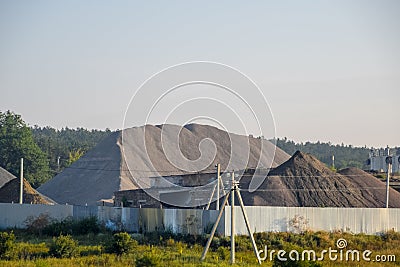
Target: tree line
67	145
345	155
47	151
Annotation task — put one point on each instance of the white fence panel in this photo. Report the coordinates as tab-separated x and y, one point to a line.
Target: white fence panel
15	215
277	219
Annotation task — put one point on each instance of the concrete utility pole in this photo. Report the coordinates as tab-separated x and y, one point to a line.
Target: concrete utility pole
218	189
234	189
233	219
58	164
21	186
389	169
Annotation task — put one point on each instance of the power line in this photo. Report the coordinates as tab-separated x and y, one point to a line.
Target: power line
210	171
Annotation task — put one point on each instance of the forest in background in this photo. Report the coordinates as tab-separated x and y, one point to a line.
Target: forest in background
47	151
67	145
345	155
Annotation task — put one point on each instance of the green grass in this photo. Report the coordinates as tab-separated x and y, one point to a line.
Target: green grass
179	250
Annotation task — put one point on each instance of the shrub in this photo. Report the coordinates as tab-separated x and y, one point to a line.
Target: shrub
7	245
57	228
148	260
170	242
86	226
64	246
390	235
243	243
36	225
73	227
122	243
90	250
27	251
223	253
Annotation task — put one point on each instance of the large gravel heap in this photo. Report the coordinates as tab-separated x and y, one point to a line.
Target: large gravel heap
9	193
5	176
304	181
123	161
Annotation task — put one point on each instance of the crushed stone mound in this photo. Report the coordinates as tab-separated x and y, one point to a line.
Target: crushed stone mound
5	176
304	181
9	193
127	160
377	190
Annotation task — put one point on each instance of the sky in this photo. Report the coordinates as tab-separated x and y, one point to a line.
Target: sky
329	70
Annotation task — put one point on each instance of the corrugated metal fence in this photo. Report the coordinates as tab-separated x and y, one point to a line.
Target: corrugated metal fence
355	220
282	219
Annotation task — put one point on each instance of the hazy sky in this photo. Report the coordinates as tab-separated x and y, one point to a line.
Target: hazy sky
330	70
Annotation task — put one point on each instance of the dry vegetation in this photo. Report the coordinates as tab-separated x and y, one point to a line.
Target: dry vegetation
166	249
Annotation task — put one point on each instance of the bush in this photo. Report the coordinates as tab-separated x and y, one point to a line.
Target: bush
86	226
390	235
7	245
57	228
122	243
243	243
73	227
64	246
223	253
148	260
36	225
26	251
90	250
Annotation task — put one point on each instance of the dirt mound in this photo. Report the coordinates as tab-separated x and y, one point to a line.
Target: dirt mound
129	159
5	176
376	188
9	193
306	182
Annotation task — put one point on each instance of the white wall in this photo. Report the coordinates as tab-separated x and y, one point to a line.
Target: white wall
15	215
355	220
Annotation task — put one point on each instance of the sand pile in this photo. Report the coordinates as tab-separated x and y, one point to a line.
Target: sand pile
9	193
5	176
306	182
126	160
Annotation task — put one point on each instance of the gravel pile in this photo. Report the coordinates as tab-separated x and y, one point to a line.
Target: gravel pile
127	160
5	176
304	181
9	193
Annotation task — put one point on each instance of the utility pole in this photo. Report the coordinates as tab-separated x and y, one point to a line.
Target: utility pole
389	163
233	219
218	179
21	186
234	189
216	187
58	164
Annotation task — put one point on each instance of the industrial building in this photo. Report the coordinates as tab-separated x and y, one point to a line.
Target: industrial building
377	160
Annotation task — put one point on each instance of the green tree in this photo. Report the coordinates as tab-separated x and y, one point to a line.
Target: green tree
345	156
58	144
16	142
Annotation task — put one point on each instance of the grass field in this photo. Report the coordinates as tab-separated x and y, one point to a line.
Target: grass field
167	249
